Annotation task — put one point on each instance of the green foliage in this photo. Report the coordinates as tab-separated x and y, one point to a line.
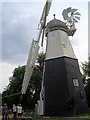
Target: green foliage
86	71
15	85
87	89
40	60
32	93
86	78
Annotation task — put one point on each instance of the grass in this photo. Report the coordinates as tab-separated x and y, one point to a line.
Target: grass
36	117
59	118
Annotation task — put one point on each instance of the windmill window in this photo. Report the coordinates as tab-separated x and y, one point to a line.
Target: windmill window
81	94
75	82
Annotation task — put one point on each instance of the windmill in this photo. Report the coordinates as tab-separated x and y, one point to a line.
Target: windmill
62	91
33	53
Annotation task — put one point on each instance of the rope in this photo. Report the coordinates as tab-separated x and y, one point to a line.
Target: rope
10	95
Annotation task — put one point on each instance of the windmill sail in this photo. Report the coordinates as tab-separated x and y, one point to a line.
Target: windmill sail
46	8
30	65
77	13
73	10
34	49
77	17
65	13
75	20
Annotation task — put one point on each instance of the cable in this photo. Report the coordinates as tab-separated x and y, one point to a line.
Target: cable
10	95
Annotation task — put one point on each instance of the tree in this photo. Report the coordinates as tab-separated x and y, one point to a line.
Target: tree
86	71
86	79
0	103
15	85
40	60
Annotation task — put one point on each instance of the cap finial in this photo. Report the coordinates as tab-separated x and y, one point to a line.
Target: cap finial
54	15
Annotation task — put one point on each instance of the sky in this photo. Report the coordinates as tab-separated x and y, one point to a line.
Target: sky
20	19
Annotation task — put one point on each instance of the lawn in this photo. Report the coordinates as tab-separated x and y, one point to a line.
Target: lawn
35	117
60	118
52	118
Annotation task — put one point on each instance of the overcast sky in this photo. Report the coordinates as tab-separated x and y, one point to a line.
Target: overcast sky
19	26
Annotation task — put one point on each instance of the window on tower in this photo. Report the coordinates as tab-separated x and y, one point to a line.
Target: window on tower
75	82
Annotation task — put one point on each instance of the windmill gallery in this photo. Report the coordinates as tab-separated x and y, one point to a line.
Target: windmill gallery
62	90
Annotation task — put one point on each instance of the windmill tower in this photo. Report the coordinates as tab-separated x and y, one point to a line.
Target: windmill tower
62	91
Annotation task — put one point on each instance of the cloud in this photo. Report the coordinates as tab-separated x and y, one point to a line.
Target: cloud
44	0
6	70
19	27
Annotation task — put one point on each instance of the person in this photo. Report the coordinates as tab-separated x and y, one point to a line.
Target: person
5	112
19	110
14	112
